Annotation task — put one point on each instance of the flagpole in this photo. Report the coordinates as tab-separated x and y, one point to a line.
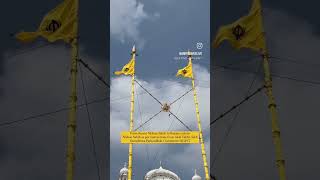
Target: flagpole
203	151
280	162
131	118
71	127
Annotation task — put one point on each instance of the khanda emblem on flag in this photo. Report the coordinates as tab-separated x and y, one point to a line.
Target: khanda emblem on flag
129	68
184	71
246	32
53	26
60	23
238	32
126	69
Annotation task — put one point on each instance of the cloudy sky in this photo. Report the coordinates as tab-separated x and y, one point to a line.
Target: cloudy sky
160	30
35	80
248	152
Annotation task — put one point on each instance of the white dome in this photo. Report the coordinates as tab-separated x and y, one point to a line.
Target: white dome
165	174
124	170
196	176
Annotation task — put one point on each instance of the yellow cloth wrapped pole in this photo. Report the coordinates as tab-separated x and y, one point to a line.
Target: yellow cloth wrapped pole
203	151
280	162
129	69
187	72
131	119
61	23
131	128
247	32
71	128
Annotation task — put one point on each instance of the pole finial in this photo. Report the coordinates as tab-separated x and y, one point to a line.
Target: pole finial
189	54
134	49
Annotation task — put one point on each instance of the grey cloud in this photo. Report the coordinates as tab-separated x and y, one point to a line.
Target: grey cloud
249	151
38	82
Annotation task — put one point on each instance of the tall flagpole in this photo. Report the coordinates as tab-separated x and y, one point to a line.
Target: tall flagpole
71	128
131	116
203	151
280	162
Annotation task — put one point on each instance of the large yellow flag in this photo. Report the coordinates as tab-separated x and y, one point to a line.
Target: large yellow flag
246	32
127	69
58	24
186	71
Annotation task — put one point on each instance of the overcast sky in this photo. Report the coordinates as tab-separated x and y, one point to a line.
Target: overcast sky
292	33
38	81
160	30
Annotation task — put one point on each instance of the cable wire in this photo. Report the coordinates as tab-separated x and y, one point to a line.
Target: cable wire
94	73
237	105
156	155
148	120
27	50
148	92
159	113
234	119
172	84
32	117
235	62
274	75
290	60
35	116
140	112
180	121
90	125
180	97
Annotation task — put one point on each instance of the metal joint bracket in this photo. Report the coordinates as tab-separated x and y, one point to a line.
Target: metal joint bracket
75	98
272	105
72	126
71	156
280	161
73	70
276	133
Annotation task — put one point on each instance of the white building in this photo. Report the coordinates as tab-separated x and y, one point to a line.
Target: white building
124	173
156	174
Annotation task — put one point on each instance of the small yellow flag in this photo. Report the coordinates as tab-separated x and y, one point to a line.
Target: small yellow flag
186	71
128	69
58	24
246	32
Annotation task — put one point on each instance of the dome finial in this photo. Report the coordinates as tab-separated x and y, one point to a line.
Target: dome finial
196	176
124	170
160	164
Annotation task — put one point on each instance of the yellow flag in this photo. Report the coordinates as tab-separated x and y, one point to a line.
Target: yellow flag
246	32
58	24
128	69
186	71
